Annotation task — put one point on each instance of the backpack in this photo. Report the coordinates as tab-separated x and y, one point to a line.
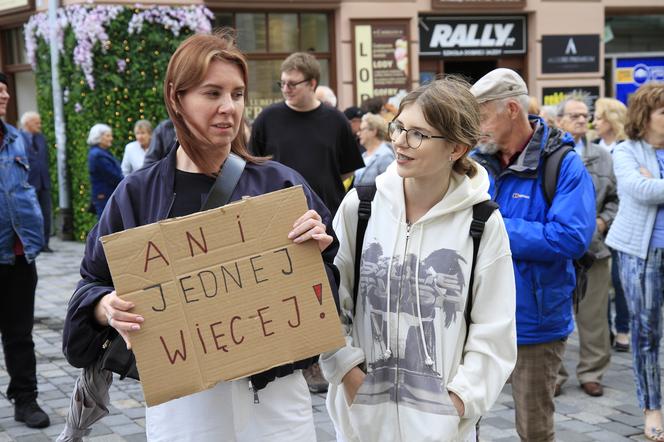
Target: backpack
481	213
550	173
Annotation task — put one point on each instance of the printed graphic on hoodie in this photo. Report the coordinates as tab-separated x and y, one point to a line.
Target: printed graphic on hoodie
409	371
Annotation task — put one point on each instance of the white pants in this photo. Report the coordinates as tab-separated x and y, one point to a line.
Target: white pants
227	412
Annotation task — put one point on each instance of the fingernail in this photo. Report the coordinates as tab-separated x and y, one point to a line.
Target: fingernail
290	235
135	327
140	318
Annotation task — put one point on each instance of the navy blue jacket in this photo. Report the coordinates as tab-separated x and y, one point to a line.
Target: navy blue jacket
544	239
145	197
19	210
35	146
105	175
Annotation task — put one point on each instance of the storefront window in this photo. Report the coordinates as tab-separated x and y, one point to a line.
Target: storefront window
283	33
14	46
267	38
312	38
251	32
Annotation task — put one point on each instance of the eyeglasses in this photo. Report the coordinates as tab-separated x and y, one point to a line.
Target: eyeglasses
290	85
414	137
575	116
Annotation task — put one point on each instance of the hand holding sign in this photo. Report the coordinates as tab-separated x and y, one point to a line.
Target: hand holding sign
112	311
310	226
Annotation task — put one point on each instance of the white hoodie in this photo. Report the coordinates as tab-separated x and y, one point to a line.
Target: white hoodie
409	332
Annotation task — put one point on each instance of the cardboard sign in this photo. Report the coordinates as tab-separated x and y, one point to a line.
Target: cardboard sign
224	293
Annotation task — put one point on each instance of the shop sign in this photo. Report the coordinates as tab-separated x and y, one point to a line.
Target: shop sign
254	106
552	96
472	36
632	72
437	4
563	54
6	5
381	60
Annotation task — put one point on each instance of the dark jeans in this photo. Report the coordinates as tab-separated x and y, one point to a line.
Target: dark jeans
17	294
622	312
44	197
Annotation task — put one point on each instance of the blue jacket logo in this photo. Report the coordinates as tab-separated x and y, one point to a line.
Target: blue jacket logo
520	195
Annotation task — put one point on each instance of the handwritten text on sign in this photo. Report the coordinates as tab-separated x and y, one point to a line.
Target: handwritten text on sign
224	293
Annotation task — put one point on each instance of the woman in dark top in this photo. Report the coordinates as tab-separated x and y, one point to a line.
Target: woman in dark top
205	93
104	168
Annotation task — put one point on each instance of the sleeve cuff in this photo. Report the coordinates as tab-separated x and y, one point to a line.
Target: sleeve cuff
335	365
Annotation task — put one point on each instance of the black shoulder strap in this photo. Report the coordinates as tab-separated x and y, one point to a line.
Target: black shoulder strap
226	181
551	171
481	213
366	195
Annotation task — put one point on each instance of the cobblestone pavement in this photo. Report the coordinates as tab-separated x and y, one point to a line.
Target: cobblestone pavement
613	417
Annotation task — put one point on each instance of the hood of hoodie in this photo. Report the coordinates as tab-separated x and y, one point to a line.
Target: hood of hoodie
463	193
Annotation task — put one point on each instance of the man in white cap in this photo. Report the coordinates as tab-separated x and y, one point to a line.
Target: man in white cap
545	236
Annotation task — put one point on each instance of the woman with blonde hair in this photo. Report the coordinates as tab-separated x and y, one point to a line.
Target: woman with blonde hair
378	154
411	369
205	91
609	121
638	235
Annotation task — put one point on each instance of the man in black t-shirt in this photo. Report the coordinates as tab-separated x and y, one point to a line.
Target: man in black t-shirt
313	139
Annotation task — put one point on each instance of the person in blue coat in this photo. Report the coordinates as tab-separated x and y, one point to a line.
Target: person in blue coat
104	168
38	177
21	231
544	238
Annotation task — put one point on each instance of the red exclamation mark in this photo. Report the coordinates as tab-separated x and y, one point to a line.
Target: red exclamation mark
318	291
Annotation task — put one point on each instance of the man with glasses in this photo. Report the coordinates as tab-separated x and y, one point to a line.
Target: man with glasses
314	139
594	339
544	237
300	132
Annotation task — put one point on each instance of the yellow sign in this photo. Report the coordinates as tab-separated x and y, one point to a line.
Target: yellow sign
624	75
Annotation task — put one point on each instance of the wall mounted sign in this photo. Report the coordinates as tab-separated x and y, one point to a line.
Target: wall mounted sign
484	4
470	36
632	72
381	59
551	96
570	53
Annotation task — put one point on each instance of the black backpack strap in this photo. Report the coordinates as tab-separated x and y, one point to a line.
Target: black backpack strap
481	213
226	181
366	195
551	171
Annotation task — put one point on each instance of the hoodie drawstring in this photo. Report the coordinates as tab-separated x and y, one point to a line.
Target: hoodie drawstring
428	361
388	352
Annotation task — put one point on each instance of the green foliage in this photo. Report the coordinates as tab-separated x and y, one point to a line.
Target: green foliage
119	99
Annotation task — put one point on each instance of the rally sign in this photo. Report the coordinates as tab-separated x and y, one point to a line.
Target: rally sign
224	293
472	36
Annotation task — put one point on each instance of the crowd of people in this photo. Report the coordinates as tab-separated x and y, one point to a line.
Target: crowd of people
440	305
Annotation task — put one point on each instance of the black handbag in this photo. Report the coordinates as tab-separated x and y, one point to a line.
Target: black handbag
116	357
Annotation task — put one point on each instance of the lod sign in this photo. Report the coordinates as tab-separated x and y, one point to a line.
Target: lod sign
224	293
472	36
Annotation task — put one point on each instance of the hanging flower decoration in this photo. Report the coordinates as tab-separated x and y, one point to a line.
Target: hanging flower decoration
89	22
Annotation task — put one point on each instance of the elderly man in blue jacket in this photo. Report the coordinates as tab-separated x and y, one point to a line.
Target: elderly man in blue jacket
39	177
21	231
544	238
